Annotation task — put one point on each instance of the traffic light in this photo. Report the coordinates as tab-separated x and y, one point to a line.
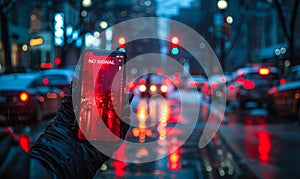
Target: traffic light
59	29
175	45
122	42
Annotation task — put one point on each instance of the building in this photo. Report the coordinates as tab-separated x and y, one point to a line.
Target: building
31	33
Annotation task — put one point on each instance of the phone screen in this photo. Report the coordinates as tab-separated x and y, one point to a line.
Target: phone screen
102	94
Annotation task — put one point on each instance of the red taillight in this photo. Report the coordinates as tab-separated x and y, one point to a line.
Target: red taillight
174	160
249	84
264	71
119	168
241	80
46	81
282	81
231	87
24	142
24	97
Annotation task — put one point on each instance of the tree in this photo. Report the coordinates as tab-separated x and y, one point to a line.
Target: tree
288	26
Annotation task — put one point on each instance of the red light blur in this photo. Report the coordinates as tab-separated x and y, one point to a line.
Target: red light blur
24	142
177	75
174	160
264	146
214	84
48	65
249	84
282	81
57	61
159	71
46	81
142	81
241	79
231	87
24	96
43	65
223	79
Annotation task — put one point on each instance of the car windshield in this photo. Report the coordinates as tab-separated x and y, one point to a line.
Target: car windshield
259	79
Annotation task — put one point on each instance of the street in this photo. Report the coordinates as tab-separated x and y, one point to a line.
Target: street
246	145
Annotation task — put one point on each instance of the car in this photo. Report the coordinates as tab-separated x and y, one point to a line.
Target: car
152	84
216	87
60	78
251	83
28	96
284	99
196	82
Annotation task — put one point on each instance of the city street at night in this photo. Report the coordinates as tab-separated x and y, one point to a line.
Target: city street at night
150	89
246	145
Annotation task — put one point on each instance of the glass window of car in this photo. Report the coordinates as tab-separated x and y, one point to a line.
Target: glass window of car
259	79
57	80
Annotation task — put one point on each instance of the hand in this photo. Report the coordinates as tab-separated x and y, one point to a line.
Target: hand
63	154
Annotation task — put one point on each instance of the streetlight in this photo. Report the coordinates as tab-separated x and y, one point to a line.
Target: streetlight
222	6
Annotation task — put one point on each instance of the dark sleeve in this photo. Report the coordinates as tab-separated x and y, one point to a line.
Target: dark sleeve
60	150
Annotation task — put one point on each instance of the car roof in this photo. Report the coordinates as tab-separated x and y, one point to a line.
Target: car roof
253	69
17	80
67	72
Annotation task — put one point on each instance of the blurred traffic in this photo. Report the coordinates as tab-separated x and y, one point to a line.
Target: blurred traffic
32	96
236	86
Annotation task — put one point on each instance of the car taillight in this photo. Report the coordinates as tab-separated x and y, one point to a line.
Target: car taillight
264	71
214	84
24	97
241	80
282	81
153	88
142	88
231	87
163	88
249	84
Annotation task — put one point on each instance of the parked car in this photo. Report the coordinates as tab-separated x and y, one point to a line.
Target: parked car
28	96
59	78
152	84
251	83
284	99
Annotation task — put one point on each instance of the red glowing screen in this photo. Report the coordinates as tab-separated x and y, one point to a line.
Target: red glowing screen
101	97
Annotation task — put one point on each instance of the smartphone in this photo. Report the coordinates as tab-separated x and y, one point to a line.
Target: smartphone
102	78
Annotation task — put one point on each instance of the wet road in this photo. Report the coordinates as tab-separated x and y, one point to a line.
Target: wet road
247	144
268	146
